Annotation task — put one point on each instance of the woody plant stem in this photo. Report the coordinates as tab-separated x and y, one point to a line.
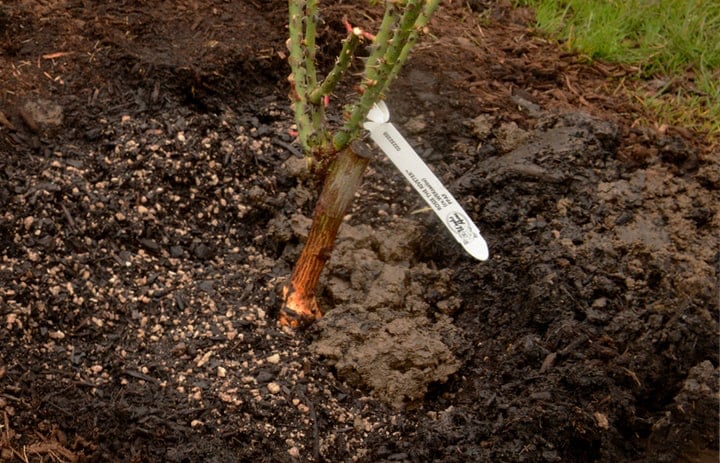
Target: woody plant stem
339	149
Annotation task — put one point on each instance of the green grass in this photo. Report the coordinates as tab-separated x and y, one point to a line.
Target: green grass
677	40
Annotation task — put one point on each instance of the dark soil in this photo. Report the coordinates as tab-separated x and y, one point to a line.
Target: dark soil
152	203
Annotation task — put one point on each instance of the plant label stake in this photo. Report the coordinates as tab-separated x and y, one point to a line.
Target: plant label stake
424	181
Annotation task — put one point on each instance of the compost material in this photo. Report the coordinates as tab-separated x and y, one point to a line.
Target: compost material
153	200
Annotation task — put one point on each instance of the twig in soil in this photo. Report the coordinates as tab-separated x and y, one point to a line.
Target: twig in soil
69	218
11	397
573	346
5	122
313	417
632	375
138	375
5	442
53	449
59	408
316	438
288	147
6	435
58	54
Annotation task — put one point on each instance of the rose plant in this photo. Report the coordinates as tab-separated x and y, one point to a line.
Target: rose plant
334	152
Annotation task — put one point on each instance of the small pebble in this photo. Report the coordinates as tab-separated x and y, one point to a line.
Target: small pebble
96	369
273	388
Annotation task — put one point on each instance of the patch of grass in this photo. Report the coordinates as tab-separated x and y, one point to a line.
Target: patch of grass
675	41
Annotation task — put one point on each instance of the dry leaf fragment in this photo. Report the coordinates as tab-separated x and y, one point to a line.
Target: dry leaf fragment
602	420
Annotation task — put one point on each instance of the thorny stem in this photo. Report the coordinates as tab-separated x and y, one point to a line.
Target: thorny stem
317	110
420	24
381	43
298	76
342	63
380	70
311	11
370	77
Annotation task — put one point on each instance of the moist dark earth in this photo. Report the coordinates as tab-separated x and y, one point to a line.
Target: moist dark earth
153	200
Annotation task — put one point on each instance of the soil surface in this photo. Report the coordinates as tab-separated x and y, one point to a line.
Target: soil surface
153	200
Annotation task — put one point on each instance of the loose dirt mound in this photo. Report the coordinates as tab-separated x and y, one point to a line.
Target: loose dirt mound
147	188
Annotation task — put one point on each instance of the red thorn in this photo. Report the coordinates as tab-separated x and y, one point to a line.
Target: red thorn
348	26
351	30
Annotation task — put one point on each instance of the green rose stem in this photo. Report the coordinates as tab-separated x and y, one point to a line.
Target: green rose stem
402	21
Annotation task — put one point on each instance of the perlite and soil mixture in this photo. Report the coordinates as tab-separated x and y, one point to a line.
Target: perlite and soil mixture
153	201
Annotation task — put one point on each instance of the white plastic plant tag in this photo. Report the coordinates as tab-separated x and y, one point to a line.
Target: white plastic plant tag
424	181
